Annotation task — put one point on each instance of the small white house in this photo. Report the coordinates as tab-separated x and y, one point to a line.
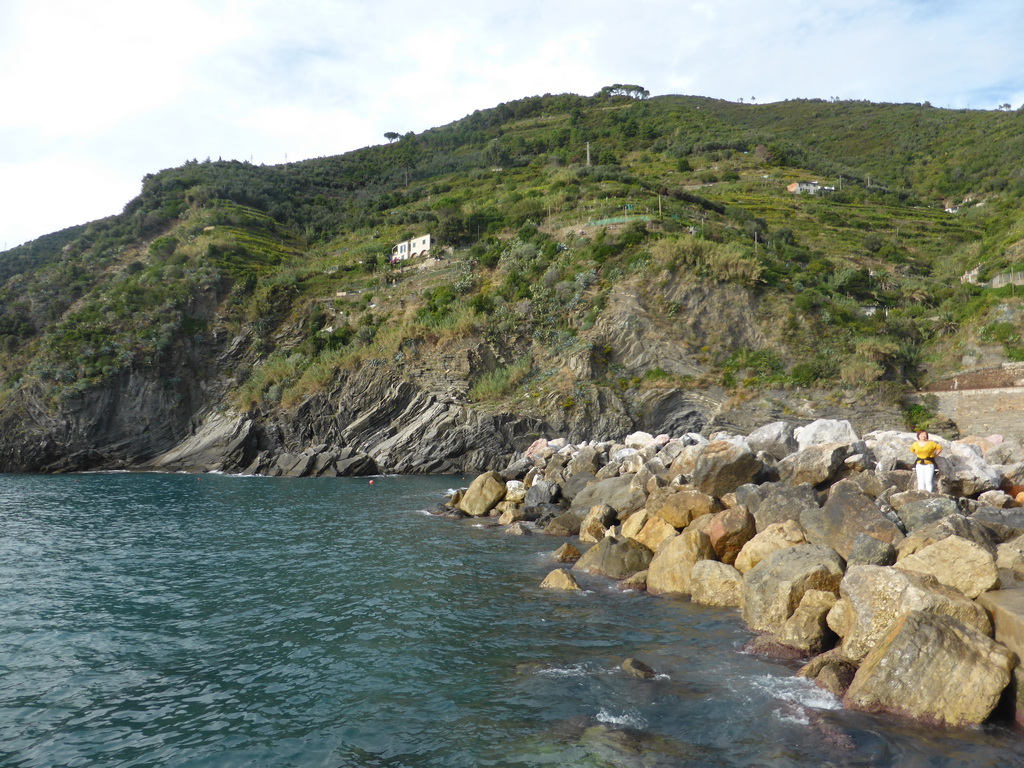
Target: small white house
804	187
410	249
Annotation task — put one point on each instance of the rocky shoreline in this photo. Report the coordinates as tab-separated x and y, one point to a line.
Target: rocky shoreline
898	601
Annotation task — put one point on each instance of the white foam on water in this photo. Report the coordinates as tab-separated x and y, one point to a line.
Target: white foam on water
798	691
627	719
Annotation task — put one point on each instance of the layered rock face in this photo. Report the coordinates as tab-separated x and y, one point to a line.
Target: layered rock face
905	602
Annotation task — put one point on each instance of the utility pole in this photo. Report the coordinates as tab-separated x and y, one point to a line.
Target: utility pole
588	154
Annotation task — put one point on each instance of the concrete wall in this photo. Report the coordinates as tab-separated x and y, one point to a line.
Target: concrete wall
984	412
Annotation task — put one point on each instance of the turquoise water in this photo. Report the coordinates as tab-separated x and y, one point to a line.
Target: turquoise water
170	620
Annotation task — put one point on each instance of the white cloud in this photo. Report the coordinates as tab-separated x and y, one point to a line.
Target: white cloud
96	95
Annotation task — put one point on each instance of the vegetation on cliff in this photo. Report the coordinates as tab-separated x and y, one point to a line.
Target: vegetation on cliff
574	229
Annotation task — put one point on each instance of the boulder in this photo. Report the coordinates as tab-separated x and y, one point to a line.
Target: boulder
723	466
670	569
830	670
1006	608
565	524
815	465
1000	499
729	531
952	525
680	506
515	491
518	529
561	579
771	539
1006	524
957	563
572	486
777	502
919	513
773	588
540	493
636	582
596	523
867	550
637	668
615	558
872	598
847	513
513	515
483	494
825	431
775	439
962	472
807	630
1011	555
616	492
588	461
639	440
635	523
567	553
715	583
934	669
654	533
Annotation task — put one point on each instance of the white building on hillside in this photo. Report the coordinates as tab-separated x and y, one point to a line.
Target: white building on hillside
410	249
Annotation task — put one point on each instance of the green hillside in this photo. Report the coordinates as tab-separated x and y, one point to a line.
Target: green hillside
278	277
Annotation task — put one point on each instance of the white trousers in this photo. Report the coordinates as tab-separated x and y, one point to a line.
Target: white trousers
925	477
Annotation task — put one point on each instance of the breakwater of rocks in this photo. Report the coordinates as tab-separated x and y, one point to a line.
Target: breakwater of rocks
898	601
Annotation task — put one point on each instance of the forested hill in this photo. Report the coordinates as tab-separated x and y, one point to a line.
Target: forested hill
609	261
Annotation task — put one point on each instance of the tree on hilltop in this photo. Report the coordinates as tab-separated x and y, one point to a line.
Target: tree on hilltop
391	136
619	89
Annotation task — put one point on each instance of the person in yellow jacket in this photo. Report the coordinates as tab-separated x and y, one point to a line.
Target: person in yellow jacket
926	450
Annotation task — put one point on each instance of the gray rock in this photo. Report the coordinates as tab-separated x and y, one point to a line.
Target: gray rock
918	514
775	439
615	558
825	431
867	550
616	492
847	513
778	502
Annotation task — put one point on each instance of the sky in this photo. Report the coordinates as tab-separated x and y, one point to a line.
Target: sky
94	95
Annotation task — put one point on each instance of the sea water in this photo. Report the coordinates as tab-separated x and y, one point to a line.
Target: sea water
177	620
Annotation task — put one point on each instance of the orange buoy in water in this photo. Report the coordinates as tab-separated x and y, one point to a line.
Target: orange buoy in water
371	482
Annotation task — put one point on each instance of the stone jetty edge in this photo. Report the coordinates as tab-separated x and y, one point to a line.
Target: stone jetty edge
898	601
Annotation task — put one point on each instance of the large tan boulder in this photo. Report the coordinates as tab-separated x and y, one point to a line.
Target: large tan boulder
957	563
934	669
635	523
615	558
670	570
723	466
715	583
483	494
872	598
654	533
773	538
773	588
680	506
729	531
561	579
